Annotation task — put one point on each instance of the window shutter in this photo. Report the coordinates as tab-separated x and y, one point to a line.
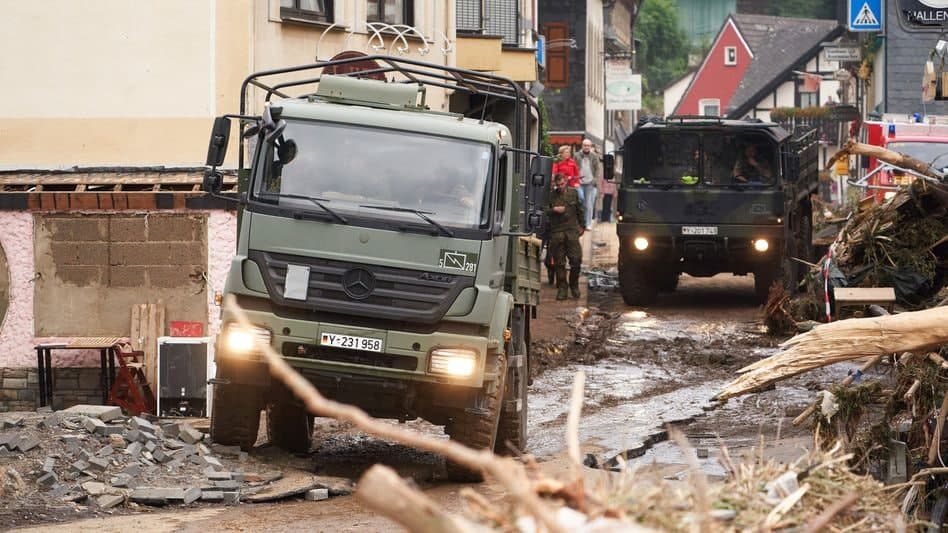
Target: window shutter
557	56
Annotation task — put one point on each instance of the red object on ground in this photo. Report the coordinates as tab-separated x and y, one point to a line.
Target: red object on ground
130	390
180	328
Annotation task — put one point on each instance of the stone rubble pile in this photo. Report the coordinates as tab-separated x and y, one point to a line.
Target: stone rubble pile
93	453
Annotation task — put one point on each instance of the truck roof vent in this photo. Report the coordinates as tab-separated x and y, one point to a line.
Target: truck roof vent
375	93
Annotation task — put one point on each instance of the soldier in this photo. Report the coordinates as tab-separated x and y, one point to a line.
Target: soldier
567	223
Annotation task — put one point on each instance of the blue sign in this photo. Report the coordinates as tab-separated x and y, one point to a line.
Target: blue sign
865	15
541	51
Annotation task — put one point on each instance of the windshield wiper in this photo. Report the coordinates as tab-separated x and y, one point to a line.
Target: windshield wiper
421	214
318	201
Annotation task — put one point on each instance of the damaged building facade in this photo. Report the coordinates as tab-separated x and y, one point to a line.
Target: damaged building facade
104	144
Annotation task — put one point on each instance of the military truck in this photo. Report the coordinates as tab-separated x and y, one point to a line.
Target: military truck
685	207
385	249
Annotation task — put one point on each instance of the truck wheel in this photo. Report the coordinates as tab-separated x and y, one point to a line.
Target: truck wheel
635	287
477	430
512	427
235	416
763	280
290	426
668	282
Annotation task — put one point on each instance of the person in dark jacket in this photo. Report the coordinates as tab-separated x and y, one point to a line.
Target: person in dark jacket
567	218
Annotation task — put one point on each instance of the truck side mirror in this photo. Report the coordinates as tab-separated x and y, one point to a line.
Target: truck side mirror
608	167
217	146
541	168
213	182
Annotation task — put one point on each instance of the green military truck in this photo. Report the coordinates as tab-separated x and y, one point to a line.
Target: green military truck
385	249
704	195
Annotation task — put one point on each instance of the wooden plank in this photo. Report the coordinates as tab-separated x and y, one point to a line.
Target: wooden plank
136	327
864	294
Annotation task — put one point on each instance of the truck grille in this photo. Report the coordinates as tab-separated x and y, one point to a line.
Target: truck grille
362	290
356	357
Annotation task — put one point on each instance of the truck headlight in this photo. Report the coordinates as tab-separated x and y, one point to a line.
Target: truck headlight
761	245
243	341
455	362
640	243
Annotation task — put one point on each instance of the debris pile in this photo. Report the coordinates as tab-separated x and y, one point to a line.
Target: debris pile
901	243
91	457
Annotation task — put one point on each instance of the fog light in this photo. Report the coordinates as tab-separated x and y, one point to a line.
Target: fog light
456	362
244	341
761	245
640	243
888	194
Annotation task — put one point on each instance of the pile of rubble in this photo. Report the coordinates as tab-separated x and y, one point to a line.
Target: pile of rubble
94	458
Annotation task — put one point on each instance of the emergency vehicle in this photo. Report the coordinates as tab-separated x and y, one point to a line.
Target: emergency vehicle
923	138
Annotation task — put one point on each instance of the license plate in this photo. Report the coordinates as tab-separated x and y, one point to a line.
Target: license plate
699	230
351	342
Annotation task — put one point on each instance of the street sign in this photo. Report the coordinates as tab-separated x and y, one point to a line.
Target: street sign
865	15
842	53
924	14
623	88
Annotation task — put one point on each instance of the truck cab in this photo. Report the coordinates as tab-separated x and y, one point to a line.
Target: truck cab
702	196
385	251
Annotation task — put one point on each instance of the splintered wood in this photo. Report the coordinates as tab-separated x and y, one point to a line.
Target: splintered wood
845	340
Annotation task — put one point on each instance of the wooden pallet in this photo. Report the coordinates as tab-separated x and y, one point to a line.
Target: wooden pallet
148	323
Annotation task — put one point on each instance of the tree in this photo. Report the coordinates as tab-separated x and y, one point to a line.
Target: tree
814	9
664	52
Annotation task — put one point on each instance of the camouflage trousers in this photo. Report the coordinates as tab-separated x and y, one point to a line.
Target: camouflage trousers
564	245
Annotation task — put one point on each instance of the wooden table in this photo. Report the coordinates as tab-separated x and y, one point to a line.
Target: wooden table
44	366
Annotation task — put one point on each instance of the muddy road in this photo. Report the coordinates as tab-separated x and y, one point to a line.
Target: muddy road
654	367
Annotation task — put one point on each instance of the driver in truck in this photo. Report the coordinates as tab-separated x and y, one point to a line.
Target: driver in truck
750	167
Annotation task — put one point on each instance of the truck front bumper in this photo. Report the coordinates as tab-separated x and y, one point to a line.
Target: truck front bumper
438	357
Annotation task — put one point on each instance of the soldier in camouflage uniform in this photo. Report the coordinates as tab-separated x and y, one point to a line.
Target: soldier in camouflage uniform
567	219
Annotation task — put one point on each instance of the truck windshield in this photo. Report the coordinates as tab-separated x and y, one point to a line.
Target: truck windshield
701	158
933	153
358	172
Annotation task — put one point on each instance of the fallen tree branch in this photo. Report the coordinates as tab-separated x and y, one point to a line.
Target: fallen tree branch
382	490
844	340
507	472
934	449
820	522
893	158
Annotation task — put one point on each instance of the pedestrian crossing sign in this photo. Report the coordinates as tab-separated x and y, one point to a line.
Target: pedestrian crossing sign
865	15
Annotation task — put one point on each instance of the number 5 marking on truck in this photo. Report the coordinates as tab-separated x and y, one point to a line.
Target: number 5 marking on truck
455	260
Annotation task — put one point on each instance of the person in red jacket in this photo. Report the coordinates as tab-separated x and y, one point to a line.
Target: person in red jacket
566	165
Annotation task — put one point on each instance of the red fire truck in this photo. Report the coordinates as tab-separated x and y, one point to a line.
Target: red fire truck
926	141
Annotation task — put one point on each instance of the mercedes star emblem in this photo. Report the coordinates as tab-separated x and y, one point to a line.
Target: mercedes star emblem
358	283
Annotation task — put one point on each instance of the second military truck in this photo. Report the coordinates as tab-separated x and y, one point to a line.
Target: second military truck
385	250
702	196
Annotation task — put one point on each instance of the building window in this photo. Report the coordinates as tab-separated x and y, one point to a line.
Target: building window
390	11
497	18
308	10
709	107
557	55
730	55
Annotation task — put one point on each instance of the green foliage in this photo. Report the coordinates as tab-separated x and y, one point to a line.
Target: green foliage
545	147
780	114
813	9
664	53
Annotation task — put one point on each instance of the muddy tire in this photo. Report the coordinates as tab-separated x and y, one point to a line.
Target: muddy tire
477	430
763	280
290	426
512	427
636	288
668	282
235	416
